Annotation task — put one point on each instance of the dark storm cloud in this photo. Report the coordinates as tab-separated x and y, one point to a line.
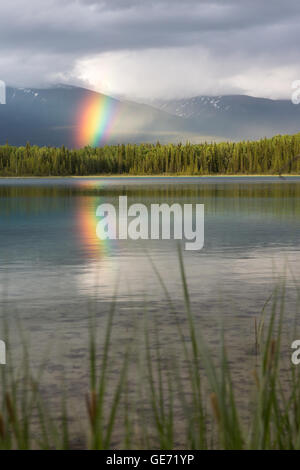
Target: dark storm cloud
40	40
88	26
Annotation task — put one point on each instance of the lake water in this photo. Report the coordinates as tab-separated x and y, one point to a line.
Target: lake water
54	270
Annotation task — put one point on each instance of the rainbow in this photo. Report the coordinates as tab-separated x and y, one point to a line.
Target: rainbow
97	114
87	225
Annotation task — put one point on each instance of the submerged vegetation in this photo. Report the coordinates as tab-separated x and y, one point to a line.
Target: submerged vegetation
266	156
153	403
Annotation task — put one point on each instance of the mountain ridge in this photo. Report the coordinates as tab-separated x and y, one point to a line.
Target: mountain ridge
53	117
236	116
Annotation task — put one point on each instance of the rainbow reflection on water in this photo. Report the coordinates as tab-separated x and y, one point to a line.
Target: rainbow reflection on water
87	222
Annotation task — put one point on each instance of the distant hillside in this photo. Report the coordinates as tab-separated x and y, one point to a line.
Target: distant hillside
55	117
236	116
58	116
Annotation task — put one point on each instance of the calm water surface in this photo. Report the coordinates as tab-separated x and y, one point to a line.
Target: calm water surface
54	270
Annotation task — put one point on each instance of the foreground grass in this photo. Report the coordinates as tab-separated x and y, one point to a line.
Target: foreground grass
152	403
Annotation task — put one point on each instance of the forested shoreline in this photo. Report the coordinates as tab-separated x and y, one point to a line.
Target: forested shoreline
266	156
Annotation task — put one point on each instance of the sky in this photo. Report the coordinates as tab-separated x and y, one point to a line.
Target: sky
153	49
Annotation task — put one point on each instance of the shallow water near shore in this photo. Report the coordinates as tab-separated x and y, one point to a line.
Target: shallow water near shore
54	270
